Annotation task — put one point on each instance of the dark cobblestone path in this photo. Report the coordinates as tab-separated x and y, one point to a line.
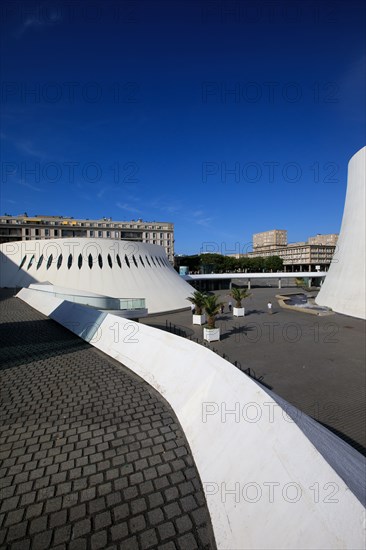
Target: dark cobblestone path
90	456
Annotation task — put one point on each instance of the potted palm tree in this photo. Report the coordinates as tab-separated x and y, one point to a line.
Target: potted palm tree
211	333
198	300
239	294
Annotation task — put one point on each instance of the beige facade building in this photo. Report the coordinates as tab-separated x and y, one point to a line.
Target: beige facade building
23	228
300	256
274	237
331	239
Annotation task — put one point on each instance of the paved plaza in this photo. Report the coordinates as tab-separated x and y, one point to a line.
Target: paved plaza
316	363
91	457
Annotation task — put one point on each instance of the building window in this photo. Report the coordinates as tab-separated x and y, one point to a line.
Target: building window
30	262
40	262
100	233
108	234
56	232
27	231
23	262
47	232
37	232
92	233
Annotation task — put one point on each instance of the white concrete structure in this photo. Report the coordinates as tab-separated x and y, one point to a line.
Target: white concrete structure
344	286
267	485
112	268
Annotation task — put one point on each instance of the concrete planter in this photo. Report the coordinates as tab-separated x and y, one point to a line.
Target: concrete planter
238	311
211	334
199	319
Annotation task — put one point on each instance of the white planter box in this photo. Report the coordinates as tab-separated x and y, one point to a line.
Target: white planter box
199	319
239	311
211	334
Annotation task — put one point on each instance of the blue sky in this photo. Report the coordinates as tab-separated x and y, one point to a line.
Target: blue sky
226	118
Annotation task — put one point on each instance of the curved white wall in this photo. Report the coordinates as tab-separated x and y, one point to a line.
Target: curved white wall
148	275
266	485
344	287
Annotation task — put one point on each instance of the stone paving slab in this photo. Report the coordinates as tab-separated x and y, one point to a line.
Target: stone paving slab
316	363
91	457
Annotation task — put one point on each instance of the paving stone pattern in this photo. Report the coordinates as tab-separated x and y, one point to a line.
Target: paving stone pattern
90	456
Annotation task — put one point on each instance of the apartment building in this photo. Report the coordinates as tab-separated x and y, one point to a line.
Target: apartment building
23	228
274	237
300	256
330	239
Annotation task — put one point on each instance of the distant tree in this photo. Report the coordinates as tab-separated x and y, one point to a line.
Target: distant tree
230	264
212	262
192	262
273	263
255	265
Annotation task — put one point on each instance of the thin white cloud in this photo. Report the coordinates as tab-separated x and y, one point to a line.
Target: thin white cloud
30	186
102	191
165	205
128	207
25	146
204	222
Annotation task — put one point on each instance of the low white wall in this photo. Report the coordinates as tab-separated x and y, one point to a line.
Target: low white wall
267	487
344	287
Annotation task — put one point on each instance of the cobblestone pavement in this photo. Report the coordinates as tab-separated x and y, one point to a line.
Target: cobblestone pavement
90	456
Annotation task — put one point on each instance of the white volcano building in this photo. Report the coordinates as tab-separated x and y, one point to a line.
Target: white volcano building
117	269
344	287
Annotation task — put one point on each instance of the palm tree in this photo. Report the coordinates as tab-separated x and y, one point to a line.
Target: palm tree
212	308
198	300
239	294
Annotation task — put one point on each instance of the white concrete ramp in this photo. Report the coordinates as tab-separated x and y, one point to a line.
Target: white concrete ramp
267	486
